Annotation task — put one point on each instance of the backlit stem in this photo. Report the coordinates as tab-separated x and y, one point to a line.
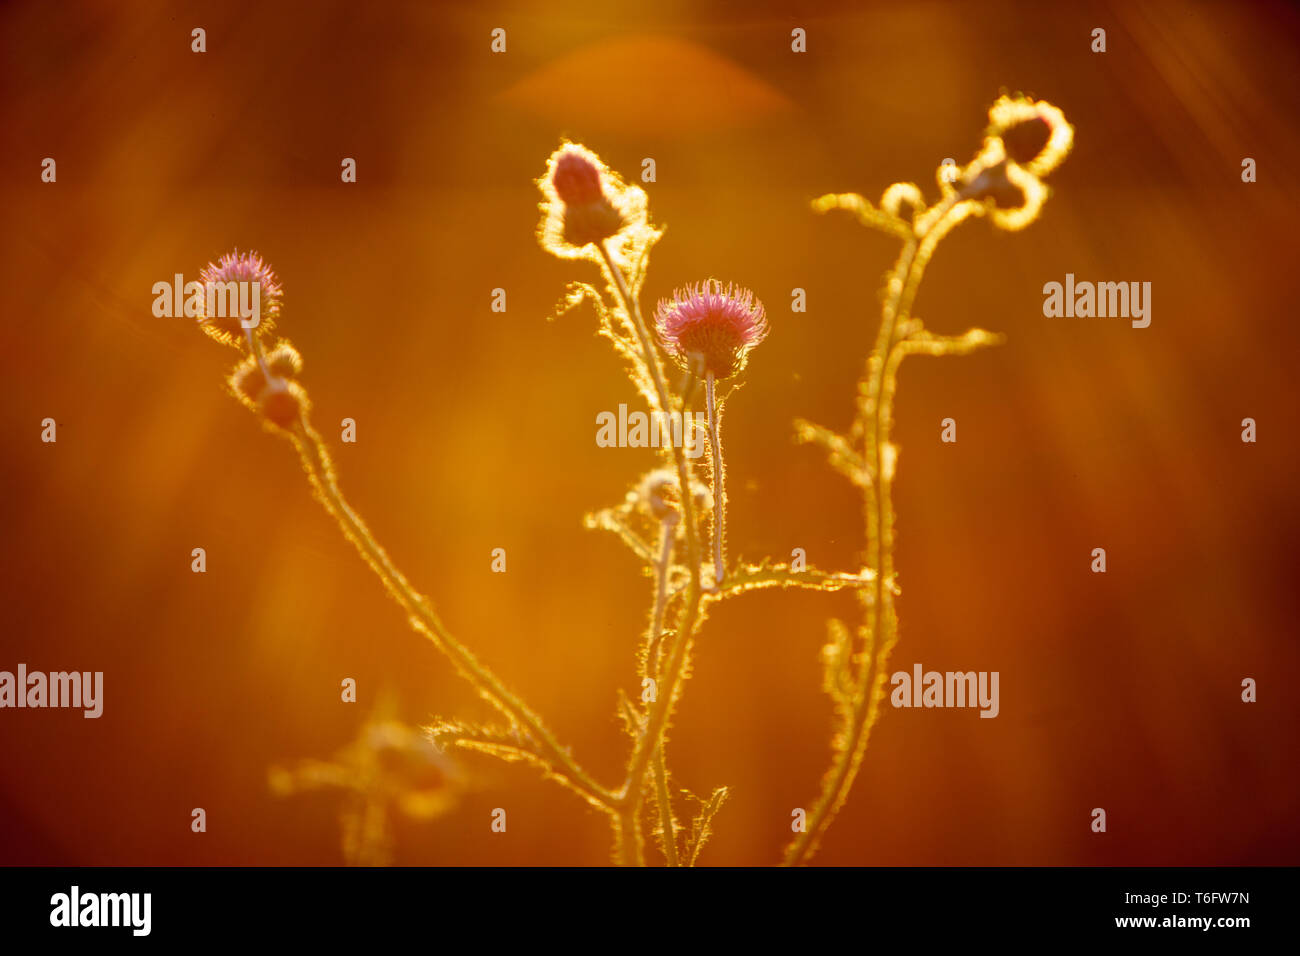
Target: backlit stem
719	492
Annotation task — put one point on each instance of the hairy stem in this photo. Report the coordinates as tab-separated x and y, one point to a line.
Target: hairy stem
667	532
320	472
719	492
255	348
627	837
875	418
667	825
651	736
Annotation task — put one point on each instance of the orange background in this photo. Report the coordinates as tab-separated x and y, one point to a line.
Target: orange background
476	429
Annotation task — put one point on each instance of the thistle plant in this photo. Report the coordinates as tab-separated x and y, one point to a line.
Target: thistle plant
693	351
1025	141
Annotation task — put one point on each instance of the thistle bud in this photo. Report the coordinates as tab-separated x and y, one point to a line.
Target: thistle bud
248	381
282	403
658	492
589	216
284	360
576	179
586	204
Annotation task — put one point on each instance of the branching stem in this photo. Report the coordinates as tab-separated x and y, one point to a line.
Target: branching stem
875	411
667	825
652	734
424	618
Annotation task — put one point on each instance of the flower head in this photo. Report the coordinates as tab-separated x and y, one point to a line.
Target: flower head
240	268
709	328
587	204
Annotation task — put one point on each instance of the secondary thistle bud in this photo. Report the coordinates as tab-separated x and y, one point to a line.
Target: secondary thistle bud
659	493
282	403
701	497
248	381
284	360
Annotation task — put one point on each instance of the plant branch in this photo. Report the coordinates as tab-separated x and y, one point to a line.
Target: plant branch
652	733
874	421
423	618
667	825
719	490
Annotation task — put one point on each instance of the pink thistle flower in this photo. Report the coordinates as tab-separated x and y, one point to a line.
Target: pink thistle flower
710	329
241	267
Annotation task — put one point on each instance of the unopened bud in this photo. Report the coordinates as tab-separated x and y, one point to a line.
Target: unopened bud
282	403
576	179
589	216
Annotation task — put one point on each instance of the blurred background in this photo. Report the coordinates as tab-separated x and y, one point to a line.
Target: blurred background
476	429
